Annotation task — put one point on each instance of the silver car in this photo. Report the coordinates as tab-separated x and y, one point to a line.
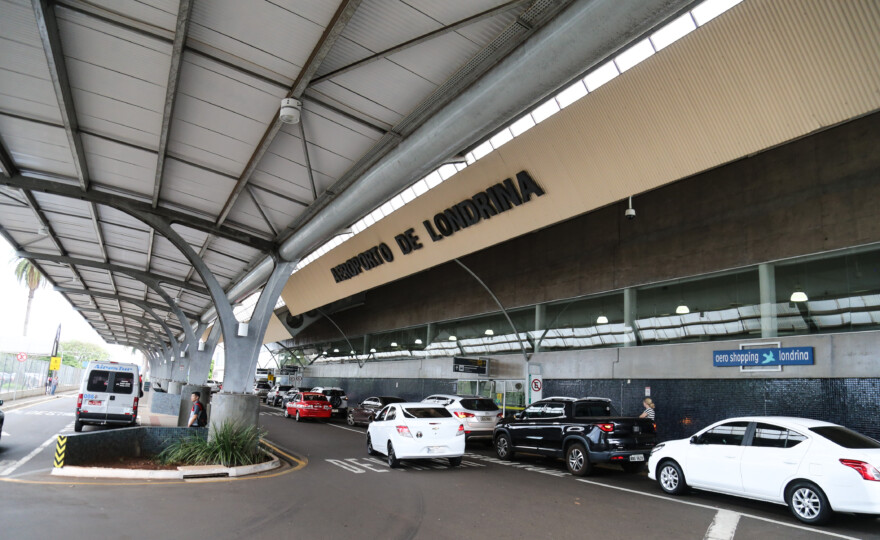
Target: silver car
261	389
478	414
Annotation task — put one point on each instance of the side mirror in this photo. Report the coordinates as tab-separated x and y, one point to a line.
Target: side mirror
1	402
518	415
696	440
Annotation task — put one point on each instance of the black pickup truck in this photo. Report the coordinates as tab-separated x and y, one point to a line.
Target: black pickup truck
581	431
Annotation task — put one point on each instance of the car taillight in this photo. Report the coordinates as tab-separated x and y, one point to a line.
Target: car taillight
464	414
134	407
867	470
607	428
499	415
79	401
404	431
460	430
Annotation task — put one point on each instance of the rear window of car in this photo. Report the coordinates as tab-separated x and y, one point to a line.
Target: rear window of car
332	393
284	388
314	397
845	437
591	409
479	404
426	412
123	383
98	381
263	386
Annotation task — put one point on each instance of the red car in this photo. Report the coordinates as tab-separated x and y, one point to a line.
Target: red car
308	405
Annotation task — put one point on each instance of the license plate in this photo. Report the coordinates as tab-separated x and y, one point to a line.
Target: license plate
335	410
486	418
637	457
94	402
435	449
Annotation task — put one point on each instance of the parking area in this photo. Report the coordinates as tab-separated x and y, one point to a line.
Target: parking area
344	493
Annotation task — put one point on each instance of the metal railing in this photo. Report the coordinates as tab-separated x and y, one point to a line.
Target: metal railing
31	374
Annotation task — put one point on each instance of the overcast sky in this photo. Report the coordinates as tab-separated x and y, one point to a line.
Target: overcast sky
48	309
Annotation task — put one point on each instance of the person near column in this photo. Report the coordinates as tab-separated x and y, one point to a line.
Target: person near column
197	414
649	409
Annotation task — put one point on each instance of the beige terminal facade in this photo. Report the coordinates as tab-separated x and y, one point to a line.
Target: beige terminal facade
749	147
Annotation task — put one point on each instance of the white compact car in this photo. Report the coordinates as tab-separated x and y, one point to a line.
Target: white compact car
416	431
814	467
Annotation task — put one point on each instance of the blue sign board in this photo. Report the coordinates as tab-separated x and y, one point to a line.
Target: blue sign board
783	356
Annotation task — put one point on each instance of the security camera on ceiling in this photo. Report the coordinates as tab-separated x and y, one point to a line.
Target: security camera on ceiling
630	212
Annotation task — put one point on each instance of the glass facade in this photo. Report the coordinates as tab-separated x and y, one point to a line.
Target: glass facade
824	293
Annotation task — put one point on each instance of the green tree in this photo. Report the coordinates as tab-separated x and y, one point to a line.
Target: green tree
74	353
29	275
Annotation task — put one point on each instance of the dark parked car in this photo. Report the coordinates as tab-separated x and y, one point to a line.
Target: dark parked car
581	431
367	409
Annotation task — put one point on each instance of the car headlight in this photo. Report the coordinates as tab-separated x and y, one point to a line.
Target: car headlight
658	447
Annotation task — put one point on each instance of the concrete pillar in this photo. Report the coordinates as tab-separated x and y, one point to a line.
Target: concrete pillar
767	284
174	387
540	316
629	317
186	405
241	409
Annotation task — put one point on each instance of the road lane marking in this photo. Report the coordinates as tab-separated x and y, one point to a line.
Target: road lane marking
346	428
723	527
759	518
28	457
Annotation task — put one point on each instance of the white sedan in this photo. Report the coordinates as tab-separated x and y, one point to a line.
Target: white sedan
814	467
416	431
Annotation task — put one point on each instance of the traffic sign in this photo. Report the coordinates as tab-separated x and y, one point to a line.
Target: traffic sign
22	356
55	363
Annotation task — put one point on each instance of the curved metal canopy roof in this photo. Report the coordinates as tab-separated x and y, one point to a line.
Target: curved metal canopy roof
113	111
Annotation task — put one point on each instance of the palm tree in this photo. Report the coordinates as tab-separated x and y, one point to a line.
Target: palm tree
28	274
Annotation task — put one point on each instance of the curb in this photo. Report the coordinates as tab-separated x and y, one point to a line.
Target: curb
182	473
11	405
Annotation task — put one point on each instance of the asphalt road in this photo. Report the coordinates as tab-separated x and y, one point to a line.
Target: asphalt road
342	493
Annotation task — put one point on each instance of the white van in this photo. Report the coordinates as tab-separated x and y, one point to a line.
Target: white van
108	395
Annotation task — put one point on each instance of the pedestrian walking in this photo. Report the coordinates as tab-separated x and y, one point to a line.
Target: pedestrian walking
649	409
53	385
197	415
48	384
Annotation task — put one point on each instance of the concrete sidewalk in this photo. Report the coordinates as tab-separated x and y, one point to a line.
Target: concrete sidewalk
12	404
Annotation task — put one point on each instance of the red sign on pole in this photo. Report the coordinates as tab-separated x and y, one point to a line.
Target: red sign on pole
22	356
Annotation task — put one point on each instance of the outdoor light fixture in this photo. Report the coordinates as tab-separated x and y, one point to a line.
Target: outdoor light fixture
242	329
798	295
602	319
335	350
352	352
291	110
682	309
201	345
418	341
394	344
489	332
183	354
452	338
372	350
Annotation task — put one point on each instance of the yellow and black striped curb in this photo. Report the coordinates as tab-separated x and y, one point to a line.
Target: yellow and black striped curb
60	449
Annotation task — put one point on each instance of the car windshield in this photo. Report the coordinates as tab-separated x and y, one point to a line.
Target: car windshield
339	393
263	386
314	397
845	437
284	388
476	404
426	412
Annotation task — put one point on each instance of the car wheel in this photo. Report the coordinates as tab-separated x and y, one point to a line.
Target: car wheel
577	460
297	416
671	478
350	418
77	425
808	503
632	467
455	461
393	462
286	413
370	450
503	447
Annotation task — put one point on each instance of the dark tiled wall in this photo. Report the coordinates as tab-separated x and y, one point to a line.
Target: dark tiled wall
97	446
684	406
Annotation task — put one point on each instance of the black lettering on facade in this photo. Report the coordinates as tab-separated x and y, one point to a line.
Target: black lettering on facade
386	252
431	232
484	207
455	219
468	211
442	223
527	186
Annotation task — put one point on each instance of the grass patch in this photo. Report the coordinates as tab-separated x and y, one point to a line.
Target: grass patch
231	446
